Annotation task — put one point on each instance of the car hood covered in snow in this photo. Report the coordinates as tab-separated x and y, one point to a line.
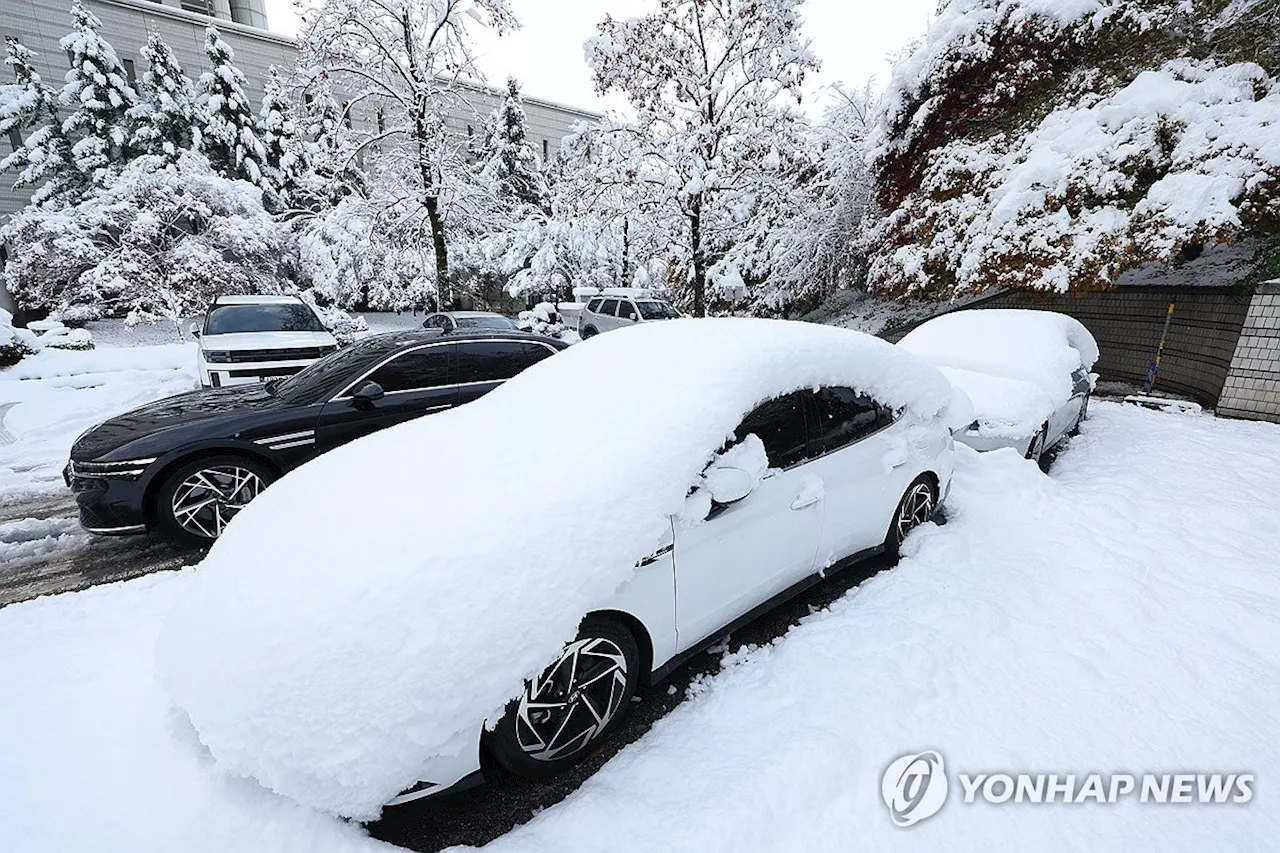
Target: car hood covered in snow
1015	365
370	610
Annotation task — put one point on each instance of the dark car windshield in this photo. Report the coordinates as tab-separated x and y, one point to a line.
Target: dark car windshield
324	378
652	309
491	322
228	319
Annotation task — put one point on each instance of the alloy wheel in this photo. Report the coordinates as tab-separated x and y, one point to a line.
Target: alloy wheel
206	501
917	508
566	707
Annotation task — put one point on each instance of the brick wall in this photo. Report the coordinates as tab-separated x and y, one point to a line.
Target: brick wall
1127	323
1252	389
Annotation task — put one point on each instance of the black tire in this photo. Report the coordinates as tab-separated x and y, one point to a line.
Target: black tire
910	513
534	739
589	332
177	490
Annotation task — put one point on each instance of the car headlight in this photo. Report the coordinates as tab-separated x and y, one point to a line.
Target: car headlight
214	357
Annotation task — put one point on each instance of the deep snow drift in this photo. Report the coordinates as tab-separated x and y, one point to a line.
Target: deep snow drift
1121	614
330	647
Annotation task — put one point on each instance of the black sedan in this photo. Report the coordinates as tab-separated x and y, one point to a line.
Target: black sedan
187	464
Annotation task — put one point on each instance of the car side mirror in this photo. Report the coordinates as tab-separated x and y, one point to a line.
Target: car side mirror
367	394
728	485
194	329
631	316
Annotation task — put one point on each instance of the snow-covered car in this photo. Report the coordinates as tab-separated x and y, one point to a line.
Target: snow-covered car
450	320
246	339
371	646
618	307
1027	373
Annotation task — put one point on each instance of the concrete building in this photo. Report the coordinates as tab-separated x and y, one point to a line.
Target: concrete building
40	24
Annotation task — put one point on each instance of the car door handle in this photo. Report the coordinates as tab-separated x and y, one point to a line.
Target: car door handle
804	500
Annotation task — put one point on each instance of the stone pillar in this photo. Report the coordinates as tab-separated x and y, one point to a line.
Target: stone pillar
1252	389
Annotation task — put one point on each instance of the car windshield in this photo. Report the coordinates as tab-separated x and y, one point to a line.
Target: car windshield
229	319
653	309
321	379
492	321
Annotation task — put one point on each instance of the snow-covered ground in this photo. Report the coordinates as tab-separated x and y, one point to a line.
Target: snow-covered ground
1120	615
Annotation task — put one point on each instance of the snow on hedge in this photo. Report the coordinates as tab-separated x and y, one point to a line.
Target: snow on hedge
373	608
1014	365
1185	153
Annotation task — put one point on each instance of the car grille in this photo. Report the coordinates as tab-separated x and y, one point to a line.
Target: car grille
263	373
242	356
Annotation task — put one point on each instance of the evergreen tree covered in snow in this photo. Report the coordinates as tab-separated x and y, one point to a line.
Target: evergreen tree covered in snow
1055	145
230	136
284	157
166	120
710	81
98	94
29	108
512	168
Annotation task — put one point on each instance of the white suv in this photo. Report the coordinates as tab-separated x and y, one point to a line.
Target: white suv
254	338
616	307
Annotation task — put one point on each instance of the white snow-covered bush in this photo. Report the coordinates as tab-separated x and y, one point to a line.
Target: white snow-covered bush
15	343
545	319
53	333
343	326
330	653
158	241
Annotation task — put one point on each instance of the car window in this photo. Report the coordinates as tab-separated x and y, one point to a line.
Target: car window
414	370
610	307
842	417
653	309
594	305
495	361
626	309
780	425
229	319
436	321
322	378
491	322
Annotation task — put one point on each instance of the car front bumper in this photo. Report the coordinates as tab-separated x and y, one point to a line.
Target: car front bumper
446	775
108	505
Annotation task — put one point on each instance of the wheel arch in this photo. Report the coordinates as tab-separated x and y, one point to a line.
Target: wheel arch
157	480
641	635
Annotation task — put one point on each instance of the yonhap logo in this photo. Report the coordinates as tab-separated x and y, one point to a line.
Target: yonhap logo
914	787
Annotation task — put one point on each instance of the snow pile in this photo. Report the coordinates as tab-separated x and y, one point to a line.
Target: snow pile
57	335
1120	616
1016	366
1185	153
544	319
49	398
15	343
330	662
32	538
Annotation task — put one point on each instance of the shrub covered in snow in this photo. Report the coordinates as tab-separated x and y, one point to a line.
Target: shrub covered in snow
158	240
14	343
344	327
544	319
55	334
330	665
1103	134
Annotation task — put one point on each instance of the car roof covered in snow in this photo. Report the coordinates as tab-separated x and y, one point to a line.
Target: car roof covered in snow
257	300
330	647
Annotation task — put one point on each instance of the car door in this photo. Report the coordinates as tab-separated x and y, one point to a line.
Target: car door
627	313
415	382
481	366
749	551
1068	413
862	461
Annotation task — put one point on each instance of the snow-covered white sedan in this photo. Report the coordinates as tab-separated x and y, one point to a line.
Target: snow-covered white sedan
346	640
1027	373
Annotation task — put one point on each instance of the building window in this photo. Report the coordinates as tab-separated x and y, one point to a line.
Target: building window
200	7
15	138
546	148
130	71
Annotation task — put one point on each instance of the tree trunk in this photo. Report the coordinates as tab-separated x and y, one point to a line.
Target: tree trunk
699	263
438	245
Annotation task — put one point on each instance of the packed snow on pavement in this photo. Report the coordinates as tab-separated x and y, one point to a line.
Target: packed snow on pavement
1120	615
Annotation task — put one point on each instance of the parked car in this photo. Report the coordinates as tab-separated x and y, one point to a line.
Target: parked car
449	321
247	339
1027	373
722	465
187	464
622	306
